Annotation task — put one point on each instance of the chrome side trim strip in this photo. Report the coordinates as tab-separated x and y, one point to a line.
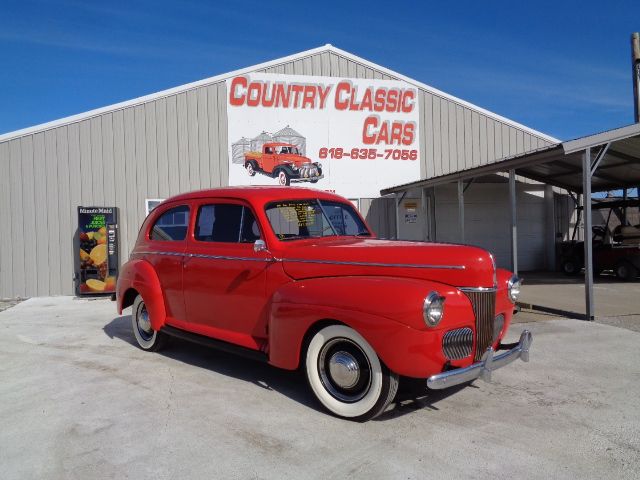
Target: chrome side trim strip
373	264
202	255
325	262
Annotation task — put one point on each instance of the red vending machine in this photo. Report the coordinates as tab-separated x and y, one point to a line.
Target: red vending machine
97	250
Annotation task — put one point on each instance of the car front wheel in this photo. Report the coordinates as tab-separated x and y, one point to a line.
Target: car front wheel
347	376
147	338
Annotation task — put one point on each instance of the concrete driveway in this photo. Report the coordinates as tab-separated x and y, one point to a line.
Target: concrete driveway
79	400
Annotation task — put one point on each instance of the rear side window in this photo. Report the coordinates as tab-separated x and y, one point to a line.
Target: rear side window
171	225
228	223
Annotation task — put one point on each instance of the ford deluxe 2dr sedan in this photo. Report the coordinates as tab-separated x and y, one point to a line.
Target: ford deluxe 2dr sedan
294	277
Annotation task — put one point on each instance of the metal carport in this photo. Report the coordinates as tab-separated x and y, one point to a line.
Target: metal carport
605	161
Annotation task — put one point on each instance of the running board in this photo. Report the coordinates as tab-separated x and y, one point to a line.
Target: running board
214	343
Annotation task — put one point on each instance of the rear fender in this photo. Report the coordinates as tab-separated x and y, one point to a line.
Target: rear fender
140	276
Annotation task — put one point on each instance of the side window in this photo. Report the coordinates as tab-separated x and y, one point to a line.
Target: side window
250	229
171	225
226	223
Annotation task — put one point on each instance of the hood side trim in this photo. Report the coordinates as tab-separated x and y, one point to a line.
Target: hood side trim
373	264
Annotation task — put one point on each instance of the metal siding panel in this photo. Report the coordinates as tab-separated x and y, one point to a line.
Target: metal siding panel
498	140
120	180
172	146
289	69
468	136
475	138
444	135
162	148
352	69
131	177
192	134
108	167
453	145
140	159
307	66
17	216
316	65
519	141
427	121
96	161
512	142
214	120
527	142
65	232
361	72
151	149
483	140
343	68
460	137
30	228
437	150
86	165
6	243
53	228
183	143
334	65
506	148
223	152
422	137
203	139
41	214
491	154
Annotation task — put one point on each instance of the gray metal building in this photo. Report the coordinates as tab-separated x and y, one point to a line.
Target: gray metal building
175	141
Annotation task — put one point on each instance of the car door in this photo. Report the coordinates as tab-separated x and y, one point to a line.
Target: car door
165	251
224	279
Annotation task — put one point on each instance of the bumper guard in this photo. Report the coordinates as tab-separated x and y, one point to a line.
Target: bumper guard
485	366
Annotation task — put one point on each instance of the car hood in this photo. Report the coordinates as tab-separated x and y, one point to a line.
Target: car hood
297	159
458	265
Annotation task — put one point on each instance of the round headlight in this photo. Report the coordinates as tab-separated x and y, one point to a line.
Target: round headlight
514	285
433	309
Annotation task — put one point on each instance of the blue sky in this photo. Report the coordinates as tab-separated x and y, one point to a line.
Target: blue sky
560	67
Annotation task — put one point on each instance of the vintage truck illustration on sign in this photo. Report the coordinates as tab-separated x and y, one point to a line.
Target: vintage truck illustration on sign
284	162
295	277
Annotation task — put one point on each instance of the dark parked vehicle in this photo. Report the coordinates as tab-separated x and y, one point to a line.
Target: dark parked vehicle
615	249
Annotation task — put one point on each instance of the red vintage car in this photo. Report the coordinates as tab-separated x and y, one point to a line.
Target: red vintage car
294	277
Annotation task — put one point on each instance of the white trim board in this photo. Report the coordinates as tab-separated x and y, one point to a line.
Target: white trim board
297	56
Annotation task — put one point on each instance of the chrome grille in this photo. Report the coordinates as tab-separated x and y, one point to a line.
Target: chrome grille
457	344
484	308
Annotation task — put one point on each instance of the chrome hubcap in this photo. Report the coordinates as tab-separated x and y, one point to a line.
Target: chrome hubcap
344	369
144	324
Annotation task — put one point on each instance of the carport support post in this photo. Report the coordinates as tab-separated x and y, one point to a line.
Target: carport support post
514	221
461	209
397	204
588	237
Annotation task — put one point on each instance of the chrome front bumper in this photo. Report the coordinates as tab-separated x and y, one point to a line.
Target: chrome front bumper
484	367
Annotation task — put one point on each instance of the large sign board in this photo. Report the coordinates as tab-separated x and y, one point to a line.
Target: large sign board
351	136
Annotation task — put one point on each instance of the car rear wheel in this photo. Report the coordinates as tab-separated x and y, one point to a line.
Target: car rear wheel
570	267
147	338
626	271
347	376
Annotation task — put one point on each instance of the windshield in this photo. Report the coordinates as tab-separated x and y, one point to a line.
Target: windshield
312	218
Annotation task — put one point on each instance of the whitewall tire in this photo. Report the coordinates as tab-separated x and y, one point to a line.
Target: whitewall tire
346	375
147	338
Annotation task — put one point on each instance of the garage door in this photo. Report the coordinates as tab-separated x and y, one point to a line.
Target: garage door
487	221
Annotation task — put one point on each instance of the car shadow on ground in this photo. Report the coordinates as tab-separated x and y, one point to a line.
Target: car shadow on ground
411	397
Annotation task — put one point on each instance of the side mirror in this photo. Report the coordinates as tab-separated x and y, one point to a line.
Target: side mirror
259	246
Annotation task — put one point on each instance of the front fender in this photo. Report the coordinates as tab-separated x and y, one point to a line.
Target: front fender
386	311
141	276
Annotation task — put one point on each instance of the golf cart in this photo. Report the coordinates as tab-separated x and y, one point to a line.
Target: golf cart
616	244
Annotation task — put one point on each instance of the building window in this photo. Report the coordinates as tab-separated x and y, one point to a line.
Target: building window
151	203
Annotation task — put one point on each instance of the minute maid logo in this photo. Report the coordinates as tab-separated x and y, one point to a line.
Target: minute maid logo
351	136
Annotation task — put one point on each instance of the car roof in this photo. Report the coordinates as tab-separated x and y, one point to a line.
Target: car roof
279	144
258	194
